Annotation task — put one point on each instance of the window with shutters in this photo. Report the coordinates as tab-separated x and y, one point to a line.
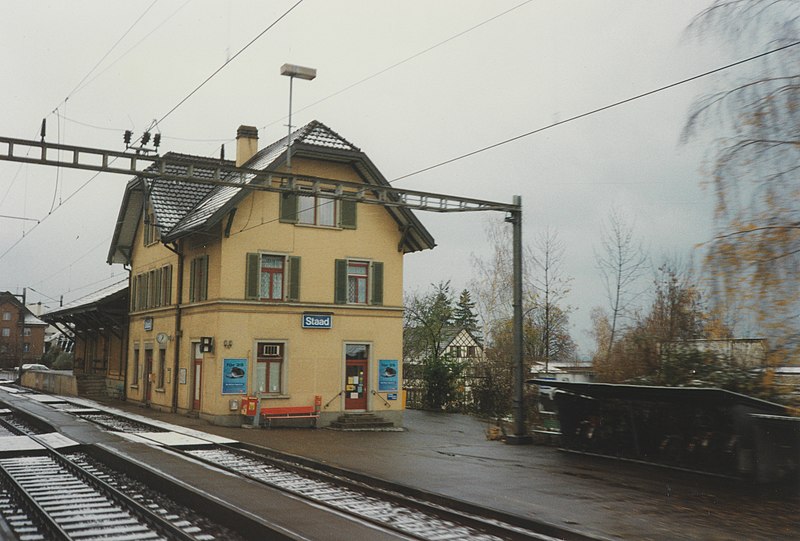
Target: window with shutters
310	209
358	282
272	277
198	279
152	289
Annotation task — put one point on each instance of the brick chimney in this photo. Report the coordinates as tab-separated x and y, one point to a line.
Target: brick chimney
246	144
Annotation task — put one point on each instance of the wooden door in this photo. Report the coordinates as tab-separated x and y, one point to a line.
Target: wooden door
197	377
356	385
148	375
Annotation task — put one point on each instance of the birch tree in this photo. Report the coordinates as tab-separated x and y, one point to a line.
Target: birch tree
754	257
622	262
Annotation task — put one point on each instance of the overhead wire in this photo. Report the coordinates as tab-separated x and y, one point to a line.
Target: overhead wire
114	46
567	120
405	60
156	122
597	110
231	59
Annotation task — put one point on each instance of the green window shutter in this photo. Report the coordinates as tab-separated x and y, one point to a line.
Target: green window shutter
166	283
192	275
340	282
132	294
252	276
288	210
204	278
294	278
347	216
377	283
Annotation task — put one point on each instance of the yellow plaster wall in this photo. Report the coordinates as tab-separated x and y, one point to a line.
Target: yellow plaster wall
314	358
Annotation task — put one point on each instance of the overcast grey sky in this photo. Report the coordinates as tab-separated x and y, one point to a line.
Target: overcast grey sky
450	77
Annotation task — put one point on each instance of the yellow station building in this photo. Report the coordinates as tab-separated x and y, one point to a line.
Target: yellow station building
294	298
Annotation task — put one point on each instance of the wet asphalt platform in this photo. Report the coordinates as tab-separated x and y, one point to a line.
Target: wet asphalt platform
449	454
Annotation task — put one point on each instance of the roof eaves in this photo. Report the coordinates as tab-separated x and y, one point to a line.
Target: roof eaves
116	252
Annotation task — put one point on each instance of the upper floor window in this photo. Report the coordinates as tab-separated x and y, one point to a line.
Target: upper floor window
6	316
272	277
152	289
358	282
6	332
312	209
272	269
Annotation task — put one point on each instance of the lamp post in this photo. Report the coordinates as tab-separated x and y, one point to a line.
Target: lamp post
291	71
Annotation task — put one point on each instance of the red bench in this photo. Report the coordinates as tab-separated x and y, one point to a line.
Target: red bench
290	412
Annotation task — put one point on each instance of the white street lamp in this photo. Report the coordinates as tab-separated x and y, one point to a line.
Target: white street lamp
292	71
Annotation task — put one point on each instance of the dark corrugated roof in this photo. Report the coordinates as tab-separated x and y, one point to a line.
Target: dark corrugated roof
647	393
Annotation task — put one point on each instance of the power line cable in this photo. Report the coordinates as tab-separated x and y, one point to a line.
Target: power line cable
134	46
571	119
598	110
77	87
156	122
219	69
401	62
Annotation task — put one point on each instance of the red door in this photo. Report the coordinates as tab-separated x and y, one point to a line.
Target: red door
356	385
197	378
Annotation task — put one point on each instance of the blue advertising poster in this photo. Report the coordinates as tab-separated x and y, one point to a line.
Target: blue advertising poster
234	376
388	375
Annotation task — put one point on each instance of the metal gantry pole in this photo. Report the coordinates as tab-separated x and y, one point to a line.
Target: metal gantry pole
520	435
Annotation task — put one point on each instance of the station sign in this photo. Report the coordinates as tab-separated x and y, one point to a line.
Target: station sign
317	321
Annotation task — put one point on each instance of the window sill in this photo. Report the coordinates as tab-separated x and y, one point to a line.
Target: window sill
160	390
315	226
134	386
274	396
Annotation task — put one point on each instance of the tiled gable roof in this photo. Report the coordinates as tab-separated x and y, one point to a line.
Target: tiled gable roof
181	208
215	202
172	200
318	134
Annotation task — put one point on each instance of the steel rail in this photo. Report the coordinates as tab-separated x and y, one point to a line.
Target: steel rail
487	526
139	512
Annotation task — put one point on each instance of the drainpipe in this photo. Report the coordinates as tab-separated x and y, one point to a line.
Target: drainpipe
177	249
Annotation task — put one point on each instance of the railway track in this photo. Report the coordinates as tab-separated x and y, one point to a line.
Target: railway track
408	513
48	496
386	507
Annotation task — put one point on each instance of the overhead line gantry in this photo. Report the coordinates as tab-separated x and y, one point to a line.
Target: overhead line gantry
145	165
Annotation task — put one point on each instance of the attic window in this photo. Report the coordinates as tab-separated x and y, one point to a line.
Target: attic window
314	210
